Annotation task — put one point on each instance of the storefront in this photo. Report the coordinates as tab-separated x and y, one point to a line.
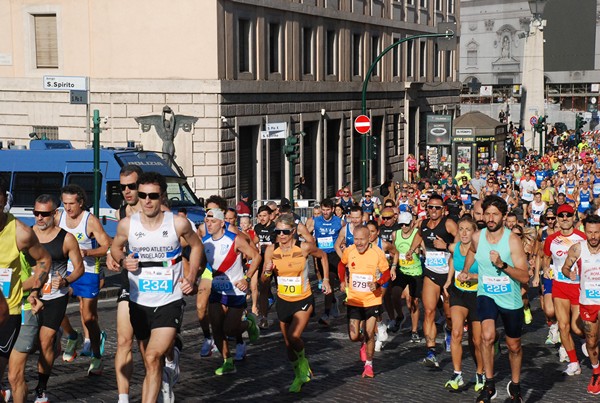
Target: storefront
439	144
477	140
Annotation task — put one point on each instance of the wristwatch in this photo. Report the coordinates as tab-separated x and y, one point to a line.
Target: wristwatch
504	266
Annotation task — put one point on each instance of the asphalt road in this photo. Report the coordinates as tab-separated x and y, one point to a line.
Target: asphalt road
266	374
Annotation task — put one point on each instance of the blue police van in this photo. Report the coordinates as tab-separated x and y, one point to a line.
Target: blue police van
50	164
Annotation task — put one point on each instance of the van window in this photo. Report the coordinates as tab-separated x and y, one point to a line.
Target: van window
86	181
29	185
6	177
114	197
180	195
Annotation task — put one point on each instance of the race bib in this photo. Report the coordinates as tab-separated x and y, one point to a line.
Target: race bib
585	204
592	289
561	277
464	285
222	284
436	260
497	285
289	285
156	280
360	282
464	197
5	277
325	242
405	260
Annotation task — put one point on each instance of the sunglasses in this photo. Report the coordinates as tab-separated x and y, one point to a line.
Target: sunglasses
404	225
550	218
519	234
435	207
565	215
367	195
387	218
130	186
152	196
282	231
410	192
43	213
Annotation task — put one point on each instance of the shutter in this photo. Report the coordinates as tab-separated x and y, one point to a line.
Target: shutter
46	41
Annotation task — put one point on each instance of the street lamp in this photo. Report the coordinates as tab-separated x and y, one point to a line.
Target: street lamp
537	8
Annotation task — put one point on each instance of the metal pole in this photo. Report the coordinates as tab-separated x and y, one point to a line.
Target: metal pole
96	131
292	174
363	140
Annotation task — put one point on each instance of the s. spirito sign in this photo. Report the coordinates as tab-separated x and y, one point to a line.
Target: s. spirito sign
62	83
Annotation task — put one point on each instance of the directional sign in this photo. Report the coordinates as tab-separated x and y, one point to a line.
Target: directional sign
62	83
533	120
362	124
274	131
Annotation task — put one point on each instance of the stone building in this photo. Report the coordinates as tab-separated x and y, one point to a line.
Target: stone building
236	65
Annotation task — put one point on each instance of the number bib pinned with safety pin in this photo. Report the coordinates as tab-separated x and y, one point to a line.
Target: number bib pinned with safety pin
360	282
156	280
497	285
289	285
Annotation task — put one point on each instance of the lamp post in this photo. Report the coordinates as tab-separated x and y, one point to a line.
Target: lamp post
533	70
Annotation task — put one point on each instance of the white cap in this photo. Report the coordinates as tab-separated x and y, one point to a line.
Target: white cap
423	197
405	218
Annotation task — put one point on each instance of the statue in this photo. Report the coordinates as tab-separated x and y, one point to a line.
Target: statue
166	126
505	52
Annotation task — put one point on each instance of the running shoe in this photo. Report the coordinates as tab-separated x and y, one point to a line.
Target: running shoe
514	392
430	360
562	355
528	316
40	396
487	394
324	320
227	368
263	322
455	383
271	301
86	350
253	331
479	382
550	337
555	333
304	370
102	342
594	385
393	326
207	347
335	310
71	349
174	366
368	372
415	338
303	375
319	286
363	352
378	345
382	334
166	395
96	366
6	394
447	338
240	352
573	368
584	349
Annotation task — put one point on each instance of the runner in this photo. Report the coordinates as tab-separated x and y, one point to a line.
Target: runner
264	230
295	303
565	292
546	278
461	289
438	233
94	244
368	270
587	257
502	267
227	300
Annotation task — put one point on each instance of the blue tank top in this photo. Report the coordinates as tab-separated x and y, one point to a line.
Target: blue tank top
596	186
459	265
349	236
495	283
465	194
346	205
326	232
368	206
539	177
584	201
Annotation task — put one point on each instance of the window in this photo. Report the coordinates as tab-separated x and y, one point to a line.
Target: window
437	62
46	41
331	53
29	185
450	6
448	69
356	55
86	181
46	132
423	59
438	5
375	50
307	50
274	48
244	46
410	51
423	3
396	60
472	48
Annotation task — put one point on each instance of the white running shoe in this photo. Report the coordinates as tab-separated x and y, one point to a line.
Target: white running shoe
166	394
555	333
240	352
584	349
572	369
378	345
562	355
382	334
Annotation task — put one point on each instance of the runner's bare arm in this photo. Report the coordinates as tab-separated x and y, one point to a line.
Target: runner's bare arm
71	249
95	229
572	256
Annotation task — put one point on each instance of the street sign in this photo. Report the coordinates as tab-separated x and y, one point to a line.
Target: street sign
362	124
62	83
533	120
274	131
79	97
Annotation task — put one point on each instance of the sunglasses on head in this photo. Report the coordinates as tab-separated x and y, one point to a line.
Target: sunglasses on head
130	186
152	196
565	215
435	207
43	213
282	231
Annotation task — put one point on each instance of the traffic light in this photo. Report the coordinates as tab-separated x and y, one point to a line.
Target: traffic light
540	125
579	122
373	147
291	148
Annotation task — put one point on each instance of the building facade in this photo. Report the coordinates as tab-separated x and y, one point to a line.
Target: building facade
237	66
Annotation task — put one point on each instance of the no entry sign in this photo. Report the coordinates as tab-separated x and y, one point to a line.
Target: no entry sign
362	124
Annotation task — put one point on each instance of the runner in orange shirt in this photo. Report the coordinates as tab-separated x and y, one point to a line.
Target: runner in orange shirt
368	270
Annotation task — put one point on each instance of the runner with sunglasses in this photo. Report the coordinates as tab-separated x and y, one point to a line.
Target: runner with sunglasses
565	291
438	233
295	303
546	278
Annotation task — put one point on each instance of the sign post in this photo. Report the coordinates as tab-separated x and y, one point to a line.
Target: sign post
79	94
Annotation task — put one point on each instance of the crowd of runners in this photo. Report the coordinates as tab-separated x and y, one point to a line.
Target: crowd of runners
455	251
